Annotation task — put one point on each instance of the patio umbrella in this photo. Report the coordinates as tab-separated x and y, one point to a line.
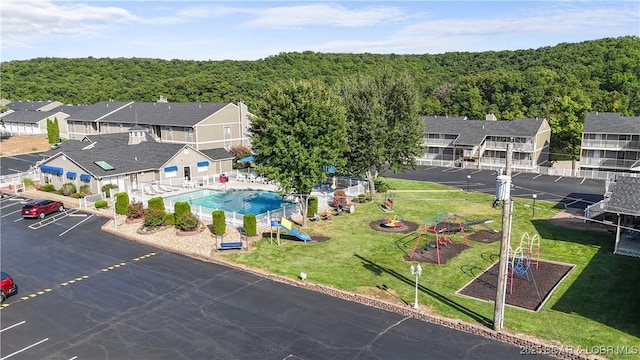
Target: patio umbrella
247	159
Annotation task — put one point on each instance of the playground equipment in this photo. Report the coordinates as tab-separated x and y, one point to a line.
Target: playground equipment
441	225
387	205
525	255
392	222
288	226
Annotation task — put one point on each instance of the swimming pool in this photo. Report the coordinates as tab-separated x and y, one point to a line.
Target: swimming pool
239	201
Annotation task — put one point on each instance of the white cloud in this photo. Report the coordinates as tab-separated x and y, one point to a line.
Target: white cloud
322	14
26	19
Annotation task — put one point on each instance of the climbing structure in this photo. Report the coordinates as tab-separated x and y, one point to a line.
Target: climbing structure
442	225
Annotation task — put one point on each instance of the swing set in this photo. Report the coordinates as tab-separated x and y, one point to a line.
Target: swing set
441	225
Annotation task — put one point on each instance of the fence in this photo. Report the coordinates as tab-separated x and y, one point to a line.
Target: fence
89	200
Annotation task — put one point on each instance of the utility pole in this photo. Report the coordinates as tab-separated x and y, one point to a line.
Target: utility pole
498	314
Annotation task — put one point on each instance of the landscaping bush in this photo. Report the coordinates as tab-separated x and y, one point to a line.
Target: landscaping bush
169	219
180	208
187	222
219	223
68	188
122	202
340	198
48	188
105	189
381	186
363	198
153	217
250	224
76	195
101	204
135	210
27	182
85	189
312	209
156	203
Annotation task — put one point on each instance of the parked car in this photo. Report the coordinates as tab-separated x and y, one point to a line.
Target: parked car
7	286
40	208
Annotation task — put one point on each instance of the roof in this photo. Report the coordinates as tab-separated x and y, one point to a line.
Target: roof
217	154
159	113
611	123
624	197
27	105
97	111
473	132
29	117
114	149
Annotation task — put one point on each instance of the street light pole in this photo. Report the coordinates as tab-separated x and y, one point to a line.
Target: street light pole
533	209
417	271
468	179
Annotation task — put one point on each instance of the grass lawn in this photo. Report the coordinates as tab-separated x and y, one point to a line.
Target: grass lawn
595	306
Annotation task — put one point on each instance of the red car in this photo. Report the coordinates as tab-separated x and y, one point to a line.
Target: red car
40	208
7	286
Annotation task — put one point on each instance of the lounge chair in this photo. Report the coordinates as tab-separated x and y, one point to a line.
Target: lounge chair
155	188
148	191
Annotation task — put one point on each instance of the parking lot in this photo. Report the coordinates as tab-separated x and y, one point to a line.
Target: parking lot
88	294
18	163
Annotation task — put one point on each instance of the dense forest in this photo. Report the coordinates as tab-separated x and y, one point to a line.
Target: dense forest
559	83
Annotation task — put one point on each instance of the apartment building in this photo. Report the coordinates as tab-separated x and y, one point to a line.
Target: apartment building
482	144
610	142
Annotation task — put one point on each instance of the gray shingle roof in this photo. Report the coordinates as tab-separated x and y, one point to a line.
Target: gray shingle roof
29	117
125	158
472	132
176	114
611	123
96	111
624	196
27	105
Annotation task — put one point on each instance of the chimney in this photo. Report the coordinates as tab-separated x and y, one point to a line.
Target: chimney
490	117
136	135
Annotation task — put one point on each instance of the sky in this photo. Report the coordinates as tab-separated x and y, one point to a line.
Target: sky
251	30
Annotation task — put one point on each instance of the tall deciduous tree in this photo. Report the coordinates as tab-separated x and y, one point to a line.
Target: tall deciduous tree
385	127
300	128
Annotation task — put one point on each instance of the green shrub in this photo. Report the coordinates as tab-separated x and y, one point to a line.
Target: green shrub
135	210
76	195
153	217
180	208
85	189
312	210
156	203
48	188
169	219
381	186
100	204
250	224
187	222
105	188
219	224
27	182
60	191
122	202
68	189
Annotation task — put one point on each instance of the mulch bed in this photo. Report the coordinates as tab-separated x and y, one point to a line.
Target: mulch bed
431	256
485	236
408	227
527	294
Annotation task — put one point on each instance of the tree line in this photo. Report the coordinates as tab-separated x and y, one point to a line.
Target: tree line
560	83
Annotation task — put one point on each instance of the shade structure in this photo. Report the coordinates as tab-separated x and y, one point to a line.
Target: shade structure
247	159
85	177
71	175
51	169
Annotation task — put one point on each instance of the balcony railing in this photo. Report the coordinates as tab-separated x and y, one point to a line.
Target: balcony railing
501	145
610	144
607	163
438	142
502	161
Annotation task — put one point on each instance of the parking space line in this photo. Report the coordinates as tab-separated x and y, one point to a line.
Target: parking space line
25	348
477	171
583	180
556	180
14	325
537	176
13	212
71	228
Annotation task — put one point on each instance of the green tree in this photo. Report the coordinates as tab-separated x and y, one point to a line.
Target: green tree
299	128
384	124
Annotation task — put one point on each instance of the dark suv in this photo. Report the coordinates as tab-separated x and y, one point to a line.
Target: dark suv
7	286
40	208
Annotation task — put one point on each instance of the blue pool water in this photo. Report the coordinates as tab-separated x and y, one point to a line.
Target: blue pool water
239	201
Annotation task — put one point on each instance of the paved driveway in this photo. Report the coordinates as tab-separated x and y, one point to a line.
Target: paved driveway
87	294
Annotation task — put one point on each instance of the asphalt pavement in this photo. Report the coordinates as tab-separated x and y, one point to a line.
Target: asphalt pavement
87	294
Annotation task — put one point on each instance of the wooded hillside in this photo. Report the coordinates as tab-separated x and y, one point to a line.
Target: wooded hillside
560	83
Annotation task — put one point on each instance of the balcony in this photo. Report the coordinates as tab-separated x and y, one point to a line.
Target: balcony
607	163
501	161
438	142
610	144
517	146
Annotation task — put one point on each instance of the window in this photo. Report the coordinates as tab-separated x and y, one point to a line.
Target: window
104	165
168	130
227	130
